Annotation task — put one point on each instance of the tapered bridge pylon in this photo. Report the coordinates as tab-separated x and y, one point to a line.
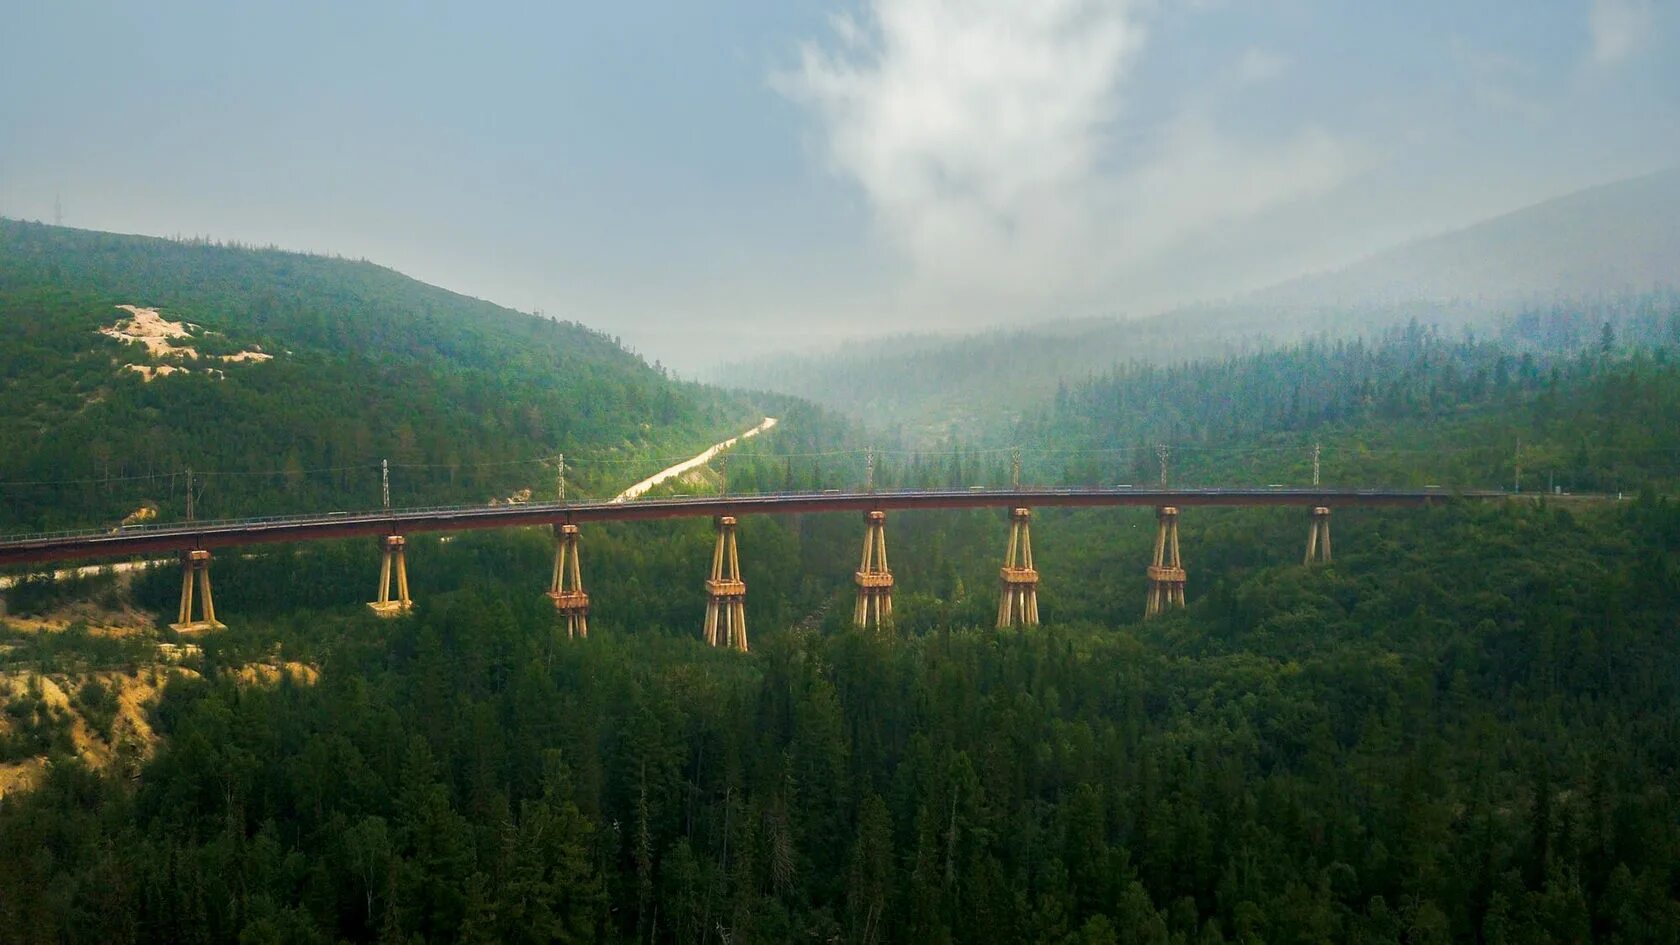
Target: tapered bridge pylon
1019	601
566	588
393	563
726	593
874	578
195	566
1318	539
1166	572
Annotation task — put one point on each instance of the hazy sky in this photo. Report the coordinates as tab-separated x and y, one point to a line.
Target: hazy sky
706	178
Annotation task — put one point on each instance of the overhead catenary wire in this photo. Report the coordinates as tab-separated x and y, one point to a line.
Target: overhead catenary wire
373	465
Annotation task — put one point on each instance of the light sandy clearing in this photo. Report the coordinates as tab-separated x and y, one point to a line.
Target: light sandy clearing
148	373
269	674
124	620
135	695
642	487
147	327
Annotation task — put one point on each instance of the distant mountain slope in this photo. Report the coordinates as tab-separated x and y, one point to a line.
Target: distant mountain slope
1542	276
926	387
321	303
290	376
1612	238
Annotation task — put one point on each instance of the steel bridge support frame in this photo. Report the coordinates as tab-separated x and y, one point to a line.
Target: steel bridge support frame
393	562
1166	570
1318	537
726	593
195	569
1018	602
874	579
565	588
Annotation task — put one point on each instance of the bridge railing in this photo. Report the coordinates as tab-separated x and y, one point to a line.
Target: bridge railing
213	523
365	516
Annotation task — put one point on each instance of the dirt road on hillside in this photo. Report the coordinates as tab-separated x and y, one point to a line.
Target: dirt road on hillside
642	487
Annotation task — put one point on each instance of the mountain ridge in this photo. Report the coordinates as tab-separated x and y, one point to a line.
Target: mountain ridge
362	364
1647	204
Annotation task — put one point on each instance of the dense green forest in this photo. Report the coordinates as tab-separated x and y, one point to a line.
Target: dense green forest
1462	730
1581	408
468	401
925	390
1408	408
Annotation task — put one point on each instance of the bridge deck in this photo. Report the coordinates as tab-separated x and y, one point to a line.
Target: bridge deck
144	539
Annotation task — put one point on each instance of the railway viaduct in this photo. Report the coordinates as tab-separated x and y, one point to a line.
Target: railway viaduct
725	621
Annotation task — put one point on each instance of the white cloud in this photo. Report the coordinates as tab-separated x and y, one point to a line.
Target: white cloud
1200	178
984	136
1618	27
1497	81
1258	65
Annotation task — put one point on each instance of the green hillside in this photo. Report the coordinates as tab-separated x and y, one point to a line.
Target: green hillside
929	389
1579	407
1462	729
362	364
1409	408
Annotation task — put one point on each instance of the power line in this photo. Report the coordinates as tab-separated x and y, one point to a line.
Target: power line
875	455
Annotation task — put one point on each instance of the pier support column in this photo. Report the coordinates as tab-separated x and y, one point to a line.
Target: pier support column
874	578
195	568
1318	538
566	588
1018	603
726	593
1166	572
394	562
